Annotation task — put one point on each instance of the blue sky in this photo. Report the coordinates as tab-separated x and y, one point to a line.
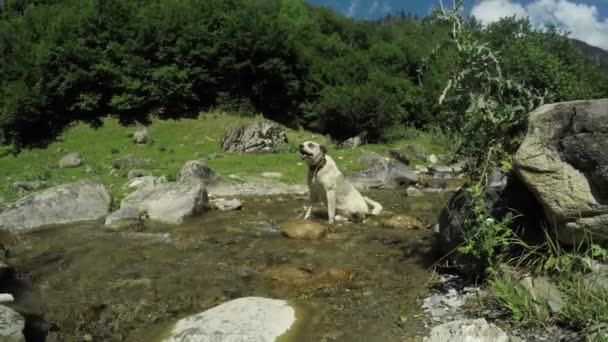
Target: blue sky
586	20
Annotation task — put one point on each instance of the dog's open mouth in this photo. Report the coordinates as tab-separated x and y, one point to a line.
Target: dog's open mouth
305	154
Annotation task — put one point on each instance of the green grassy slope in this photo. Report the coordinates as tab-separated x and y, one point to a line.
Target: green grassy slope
174	142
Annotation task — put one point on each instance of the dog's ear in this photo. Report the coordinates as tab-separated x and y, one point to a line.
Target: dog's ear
323	149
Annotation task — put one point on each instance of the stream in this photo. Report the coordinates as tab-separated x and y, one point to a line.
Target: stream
361	282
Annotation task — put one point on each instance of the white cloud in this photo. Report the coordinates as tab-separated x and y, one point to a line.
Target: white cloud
583	21
352	9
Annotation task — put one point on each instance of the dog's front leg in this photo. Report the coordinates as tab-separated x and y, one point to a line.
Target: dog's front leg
308	211
331	205
311	204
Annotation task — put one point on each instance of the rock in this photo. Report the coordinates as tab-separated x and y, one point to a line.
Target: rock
123	218
436	183
421	169
6	298
290	275
503	194
24	187
141	136
141	182
400	155
137	173
596	282
64	204
303	230
543	293
197	170
227	205
244	319
433	159
257	137
11	325
384	173
467	330
564	162
130	161
274	175
73	159
413	192
351	143
172	202
401	222
417	152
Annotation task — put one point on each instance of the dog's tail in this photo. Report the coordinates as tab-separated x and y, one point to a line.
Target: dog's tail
376	207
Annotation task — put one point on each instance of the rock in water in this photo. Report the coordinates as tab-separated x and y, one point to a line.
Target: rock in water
257	137
123	218
244	319
64	204
11	325
70	160
172	202
402	222
223	204
564	161
467	330
413	192
303	230
384	173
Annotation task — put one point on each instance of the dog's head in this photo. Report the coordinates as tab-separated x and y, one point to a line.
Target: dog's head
312	152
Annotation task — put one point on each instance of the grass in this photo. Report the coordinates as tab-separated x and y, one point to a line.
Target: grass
175	142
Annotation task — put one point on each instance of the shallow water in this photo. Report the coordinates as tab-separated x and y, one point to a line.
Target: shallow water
131	286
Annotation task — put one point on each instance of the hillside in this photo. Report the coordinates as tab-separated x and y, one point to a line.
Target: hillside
595	54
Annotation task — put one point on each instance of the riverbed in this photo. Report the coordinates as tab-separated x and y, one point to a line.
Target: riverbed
360	282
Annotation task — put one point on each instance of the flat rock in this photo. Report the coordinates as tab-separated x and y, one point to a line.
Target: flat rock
141	136
384	173
303	230
63	204
467	330
244	319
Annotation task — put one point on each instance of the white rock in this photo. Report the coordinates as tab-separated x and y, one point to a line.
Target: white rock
433	159
467	330
252	319
6	298
11	325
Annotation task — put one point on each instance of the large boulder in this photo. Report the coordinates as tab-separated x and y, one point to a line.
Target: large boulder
244	319
11	325
383	173
64	204
564	162
257	137
168	203
467	330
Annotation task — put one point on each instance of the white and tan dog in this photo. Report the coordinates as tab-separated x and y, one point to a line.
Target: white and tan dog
328	185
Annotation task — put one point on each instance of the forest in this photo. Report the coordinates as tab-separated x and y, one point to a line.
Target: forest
64	61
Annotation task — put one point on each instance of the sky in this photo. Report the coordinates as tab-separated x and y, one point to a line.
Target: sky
586	20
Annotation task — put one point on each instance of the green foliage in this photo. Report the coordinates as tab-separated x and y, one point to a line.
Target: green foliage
301	65
517	300
487	241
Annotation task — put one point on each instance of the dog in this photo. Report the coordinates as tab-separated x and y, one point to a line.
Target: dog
328	185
